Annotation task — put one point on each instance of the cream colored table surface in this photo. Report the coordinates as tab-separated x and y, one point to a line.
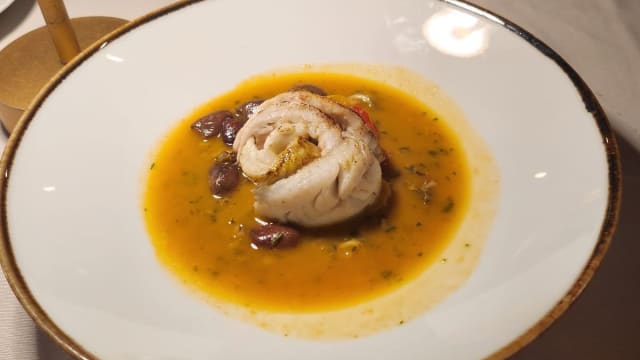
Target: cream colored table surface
601	40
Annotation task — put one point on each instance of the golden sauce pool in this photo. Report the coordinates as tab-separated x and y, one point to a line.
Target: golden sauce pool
205	240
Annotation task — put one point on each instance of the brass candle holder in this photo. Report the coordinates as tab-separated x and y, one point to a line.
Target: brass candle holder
27	64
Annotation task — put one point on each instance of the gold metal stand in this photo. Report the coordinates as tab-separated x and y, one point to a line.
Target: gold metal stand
28	63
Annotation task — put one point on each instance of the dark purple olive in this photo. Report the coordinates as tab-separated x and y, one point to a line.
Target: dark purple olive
247	109
389	169
310	88
230	128
223	178
211	125
274	236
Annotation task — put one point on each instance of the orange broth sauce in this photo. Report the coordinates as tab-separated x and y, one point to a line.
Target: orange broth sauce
205	241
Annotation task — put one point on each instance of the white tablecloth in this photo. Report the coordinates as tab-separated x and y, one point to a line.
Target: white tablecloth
601	40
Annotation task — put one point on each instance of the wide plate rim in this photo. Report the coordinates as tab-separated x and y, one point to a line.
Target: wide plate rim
609	223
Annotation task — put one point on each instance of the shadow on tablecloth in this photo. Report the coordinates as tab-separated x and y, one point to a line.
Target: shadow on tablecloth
48	349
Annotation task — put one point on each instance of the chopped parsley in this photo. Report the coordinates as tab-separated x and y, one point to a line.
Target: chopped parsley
276	239
387	274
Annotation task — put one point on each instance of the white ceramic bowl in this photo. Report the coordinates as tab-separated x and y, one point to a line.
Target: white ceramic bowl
74	246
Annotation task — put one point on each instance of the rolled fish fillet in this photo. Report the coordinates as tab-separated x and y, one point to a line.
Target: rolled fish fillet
315	161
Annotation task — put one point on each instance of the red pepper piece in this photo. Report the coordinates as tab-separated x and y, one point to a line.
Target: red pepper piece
365	117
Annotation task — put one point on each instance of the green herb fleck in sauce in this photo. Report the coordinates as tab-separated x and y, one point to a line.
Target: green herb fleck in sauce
448	205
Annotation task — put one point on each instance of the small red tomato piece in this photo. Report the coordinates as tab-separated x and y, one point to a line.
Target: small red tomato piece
364	115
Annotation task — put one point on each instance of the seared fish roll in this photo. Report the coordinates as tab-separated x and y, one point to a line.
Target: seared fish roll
315	161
